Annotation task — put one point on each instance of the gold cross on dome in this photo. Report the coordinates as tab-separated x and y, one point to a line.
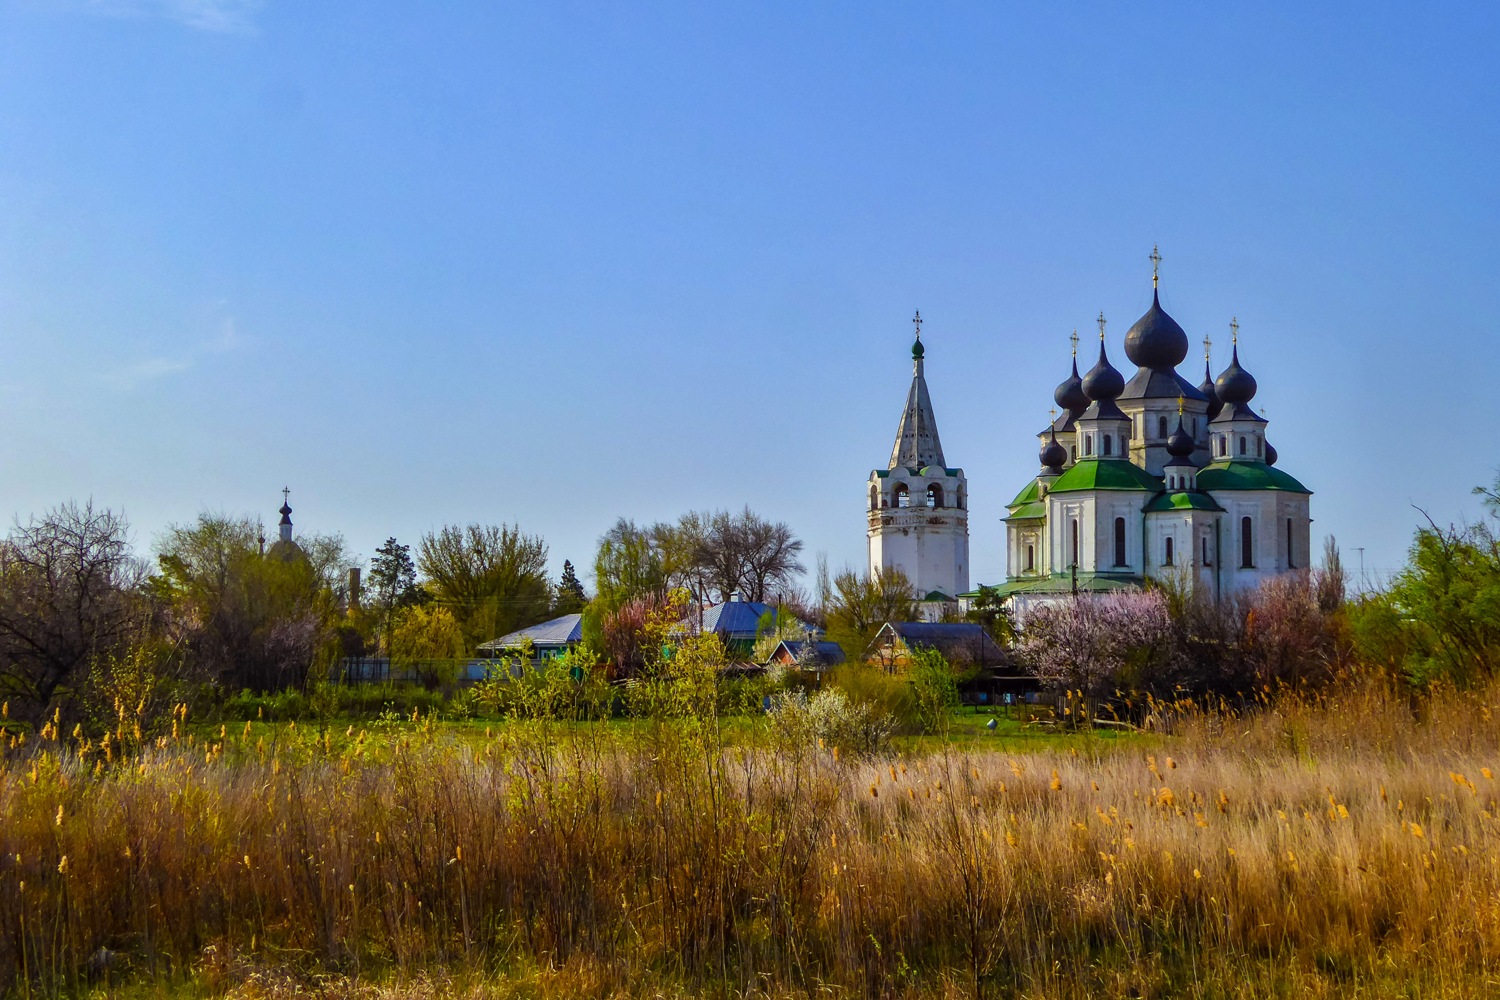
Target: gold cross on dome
1181	405
1052	416
1155	265
1074	339
1207	347
286	494
1102	321
1234	330
917	322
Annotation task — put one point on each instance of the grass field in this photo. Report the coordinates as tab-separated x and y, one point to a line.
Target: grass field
1344	847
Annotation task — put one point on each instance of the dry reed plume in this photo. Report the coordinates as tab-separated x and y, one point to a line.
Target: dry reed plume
1311	847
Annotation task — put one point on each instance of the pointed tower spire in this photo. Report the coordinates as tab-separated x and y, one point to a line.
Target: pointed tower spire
917	445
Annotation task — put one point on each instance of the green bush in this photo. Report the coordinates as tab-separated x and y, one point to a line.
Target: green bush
890	694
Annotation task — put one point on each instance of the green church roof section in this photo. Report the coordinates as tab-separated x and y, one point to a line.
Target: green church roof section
1182	501
1030	493
937	595
1105	474
1238	475
1035	510
1062	583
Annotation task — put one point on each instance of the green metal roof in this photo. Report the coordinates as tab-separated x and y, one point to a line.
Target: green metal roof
1027	511
1030	493
1105	474
1237	475
1062	583
1183	501
936	595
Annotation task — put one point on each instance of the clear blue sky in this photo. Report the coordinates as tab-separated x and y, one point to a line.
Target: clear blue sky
556	263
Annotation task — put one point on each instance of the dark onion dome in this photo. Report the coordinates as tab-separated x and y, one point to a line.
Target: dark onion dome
1103	381
1235	386
1181	443
1270	453
286	514
1053	455
1156	341
916	349
1070	395
1215	404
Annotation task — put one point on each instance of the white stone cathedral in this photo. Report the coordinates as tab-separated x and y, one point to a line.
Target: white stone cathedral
918	517
1154	479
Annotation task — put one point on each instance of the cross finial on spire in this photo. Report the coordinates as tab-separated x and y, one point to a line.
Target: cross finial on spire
1207	347
1155	265
1234	331
1181	404
1052	416
917	322
1102	321
1074	339
286	494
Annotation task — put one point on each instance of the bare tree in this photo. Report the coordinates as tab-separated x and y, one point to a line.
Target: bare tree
70	593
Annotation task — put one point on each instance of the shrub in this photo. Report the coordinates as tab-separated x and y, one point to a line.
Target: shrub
887	694
832	721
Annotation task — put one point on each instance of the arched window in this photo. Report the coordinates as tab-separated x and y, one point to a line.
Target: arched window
1242	444
1073	532
960	498
1030	558
874	498
1161	427
903	498
1088	444
1291	562
1072	453
1219	441
1119	541
1167	561
1108	444
934	495
1247	544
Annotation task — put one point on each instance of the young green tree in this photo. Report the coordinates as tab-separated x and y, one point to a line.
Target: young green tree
859	605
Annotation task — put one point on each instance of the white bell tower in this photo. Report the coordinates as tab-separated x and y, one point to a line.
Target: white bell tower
918	508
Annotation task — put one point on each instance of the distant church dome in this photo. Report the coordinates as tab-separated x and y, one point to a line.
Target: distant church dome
1235	386
1181	443
917	351
1156	341
1102	380
1053	455
285	549
1070	395
1215	404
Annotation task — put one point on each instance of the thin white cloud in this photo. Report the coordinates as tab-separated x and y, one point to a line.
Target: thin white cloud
225	16
135	375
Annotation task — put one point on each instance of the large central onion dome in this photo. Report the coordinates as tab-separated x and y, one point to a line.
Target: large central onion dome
1235	386
1156	341
1102	381
1069	393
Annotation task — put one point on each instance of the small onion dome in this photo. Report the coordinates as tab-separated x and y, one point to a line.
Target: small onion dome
1070	395
1215	404
1235	385
1156	341
1102	381
1181	443
286	514
1270	453
916	349
1053	454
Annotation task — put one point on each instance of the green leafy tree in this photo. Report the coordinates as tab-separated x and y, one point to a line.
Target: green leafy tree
393	578
988	610
492	578
632	562
859	605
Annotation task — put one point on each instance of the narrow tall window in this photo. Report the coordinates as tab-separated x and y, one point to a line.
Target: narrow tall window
934	495
874	498
1072	453
903	498
1168	560
1291	562
1206	560
1247	544
1030	558
1088	444
1108	443
1119	541
1073	532
1161	427
1242	444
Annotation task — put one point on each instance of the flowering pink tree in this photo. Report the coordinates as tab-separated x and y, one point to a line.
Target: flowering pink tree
1102	643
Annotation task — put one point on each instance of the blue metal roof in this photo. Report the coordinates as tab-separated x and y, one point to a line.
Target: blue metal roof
558	632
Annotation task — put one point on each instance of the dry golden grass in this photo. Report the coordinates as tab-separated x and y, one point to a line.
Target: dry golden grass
1343	847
